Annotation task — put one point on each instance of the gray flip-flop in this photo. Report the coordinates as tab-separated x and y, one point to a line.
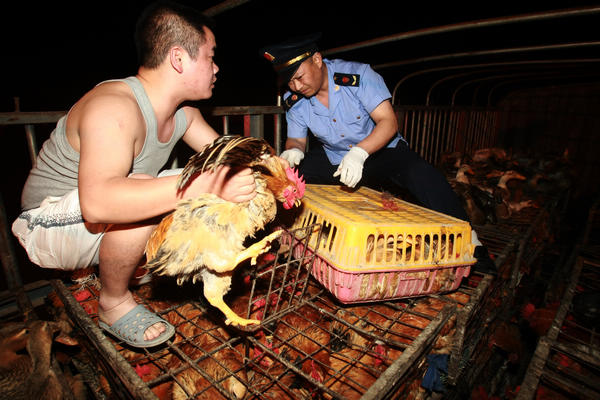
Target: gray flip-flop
130	328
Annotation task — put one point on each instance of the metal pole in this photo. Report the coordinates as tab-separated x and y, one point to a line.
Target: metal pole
465	25
9	260
277	121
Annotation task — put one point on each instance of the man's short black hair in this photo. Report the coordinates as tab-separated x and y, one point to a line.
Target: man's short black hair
164	24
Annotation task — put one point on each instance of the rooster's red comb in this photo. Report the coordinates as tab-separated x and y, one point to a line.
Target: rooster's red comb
292	175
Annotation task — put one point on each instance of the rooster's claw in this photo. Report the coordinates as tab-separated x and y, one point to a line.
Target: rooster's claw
236	320
263	246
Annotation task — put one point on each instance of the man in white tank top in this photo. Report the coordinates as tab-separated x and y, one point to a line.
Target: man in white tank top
109	191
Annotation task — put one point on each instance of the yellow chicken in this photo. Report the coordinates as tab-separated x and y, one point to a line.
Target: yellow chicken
203	238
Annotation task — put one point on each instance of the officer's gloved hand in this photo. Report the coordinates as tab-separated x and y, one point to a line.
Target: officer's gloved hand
293	156
351	167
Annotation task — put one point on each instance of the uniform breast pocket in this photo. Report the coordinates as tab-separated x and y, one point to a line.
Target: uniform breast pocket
356	122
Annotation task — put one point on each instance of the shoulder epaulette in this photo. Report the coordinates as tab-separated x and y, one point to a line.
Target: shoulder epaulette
346	79
291	100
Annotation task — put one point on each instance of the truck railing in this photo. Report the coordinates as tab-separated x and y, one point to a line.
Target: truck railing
430	130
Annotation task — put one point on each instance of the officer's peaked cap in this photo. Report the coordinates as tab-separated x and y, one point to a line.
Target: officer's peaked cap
287	56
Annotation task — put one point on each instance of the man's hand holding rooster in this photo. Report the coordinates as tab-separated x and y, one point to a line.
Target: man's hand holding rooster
232	185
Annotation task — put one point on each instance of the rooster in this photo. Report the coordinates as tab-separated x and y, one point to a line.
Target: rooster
203	238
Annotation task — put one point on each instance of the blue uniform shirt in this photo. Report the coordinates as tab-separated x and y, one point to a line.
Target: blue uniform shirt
347	121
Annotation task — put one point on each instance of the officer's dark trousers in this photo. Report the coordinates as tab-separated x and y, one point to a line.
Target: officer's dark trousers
394	170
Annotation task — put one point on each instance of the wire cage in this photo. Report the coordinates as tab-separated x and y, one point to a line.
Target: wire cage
566	362
307	344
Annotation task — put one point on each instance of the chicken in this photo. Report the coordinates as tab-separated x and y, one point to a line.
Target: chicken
275	382
302	337
205	343
204	362
501	190
452	161
376	319
462	174
492	154
507	337
539	319
459	297
352	374
28	375
466	193
203	238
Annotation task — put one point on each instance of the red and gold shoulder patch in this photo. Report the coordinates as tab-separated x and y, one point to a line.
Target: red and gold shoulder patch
291	100
346	79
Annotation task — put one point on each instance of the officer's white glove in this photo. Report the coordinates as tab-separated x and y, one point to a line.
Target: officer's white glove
350	169
293	156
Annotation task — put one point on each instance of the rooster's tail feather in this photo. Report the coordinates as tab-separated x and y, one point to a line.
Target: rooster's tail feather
230	150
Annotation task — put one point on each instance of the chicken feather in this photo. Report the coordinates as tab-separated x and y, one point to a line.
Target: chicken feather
203	238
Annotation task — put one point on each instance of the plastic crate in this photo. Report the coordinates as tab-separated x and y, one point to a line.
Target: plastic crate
375	247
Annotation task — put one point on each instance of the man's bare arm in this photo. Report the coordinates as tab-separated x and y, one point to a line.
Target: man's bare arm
107	150
386	126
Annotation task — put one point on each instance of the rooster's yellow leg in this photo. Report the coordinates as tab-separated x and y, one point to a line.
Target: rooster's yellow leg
232	318
258	248
222	265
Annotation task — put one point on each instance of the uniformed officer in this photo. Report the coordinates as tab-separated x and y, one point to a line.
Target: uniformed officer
346	105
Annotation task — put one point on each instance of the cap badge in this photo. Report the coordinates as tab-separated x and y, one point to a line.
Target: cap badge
268	56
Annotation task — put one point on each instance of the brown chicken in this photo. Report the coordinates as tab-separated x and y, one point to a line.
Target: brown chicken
539	319
357	359
507	337
301	336
204	237
26	359
214	359
352	373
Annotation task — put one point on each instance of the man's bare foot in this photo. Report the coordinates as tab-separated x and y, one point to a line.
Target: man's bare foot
110	310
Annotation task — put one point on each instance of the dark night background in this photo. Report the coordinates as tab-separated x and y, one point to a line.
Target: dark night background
54	52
